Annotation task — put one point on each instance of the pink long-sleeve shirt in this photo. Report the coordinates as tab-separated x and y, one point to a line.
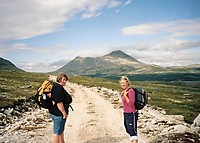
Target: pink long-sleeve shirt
129	107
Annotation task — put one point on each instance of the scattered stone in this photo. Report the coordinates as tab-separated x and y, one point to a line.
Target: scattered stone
196	121
155	124
25	119
8	111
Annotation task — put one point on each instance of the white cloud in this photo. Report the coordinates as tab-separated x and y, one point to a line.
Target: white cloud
42	67
127	2
24	47
173	52
93	7
113	3
168	49
162	58
117	11
89	15
20	19
175	45
36	67
177	28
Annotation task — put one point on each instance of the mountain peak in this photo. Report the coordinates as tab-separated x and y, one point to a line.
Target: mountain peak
112	63
120	54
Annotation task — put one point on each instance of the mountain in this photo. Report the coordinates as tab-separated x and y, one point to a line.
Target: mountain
114	63
119	63
7	65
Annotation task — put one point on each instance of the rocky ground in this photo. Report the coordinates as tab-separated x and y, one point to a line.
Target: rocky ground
97	118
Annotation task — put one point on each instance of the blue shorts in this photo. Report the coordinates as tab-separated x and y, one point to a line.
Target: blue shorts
130	123
58	124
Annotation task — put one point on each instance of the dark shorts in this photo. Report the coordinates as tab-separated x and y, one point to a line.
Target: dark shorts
130	123
58	124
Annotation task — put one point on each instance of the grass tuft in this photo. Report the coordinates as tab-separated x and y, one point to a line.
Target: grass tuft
176	97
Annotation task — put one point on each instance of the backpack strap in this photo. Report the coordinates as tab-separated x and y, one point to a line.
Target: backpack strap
71	107
129	89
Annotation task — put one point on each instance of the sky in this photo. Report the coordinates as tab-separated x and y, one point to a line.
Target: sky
44	35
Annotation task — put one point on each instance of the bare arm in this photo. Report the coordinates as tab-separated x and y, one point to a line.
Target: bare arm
62	109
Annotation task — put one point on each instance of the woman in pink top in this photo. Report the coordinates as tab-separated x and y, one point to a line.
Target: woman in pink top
130	113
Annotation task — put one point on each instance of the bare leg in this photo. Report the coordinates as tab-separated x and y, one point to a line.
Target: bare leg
56	138
134	141
62	138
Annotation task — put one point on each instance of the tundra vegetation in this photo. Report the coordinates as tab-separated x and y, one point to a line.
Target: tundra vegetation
176	97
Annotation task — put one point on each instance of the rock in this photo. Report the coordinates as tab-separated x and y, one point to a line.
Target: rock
99	88
8	111
196	121
2	110
17	127
28	86
181	129
176	138
177	117
32	127
52	77
196	130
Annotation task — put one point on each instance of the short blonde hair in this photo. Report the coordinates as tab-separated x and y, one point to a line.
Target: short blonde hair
125	78
60	76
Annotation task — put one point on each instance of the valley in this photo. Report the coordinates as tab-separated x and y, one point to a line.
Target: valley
175	89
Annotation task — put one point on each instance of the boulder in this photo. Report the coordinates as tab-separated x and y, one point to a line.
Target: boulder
196	121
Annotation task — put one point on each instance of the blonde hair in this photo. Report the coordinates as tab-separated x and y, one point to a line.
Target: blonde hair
60	76
125	78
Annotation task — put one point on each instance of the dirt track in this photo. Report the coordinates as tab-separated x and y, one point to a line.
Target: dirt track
94	120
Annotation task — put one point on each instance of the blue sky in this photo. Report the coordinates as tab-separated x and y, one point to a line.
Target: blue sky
43	35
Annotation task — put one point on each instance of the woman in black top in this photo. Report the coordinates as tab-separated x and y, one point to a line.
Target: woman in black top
59	110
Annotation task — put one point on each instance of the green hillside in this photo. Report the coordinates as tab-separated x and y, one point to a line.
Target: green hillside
176	97
16	85
7	65
119	63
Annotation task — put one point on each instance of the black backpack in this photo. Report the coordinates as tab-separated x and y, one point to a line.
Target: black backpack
141	98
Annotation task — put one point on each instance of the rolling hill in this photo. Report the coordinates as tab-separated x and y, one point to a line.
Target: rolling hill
7	65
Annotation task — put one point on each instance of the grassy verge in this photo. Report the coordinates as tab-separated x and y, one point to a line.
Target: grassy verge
177	98
18	85
180	98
